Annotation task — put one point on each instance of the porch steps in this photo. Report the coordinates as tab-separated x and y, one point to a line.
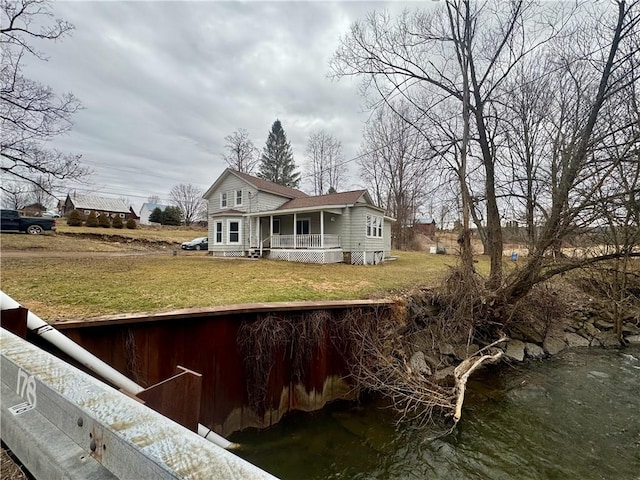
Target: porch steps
253	253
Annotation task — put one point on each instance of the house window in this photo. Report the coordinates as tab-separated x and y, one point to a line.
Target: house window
87	212
238	198
374	226
276	226
122	215
234	231
223	200
302	226
218	232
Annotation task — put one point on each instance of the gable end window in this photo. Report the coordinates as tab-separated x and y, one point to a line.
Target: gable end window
223	200
238	198
374	226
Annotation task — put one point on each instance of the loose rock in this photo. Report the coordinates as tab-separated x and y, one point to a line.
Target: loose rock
633	339
554	341
605	339
575	340
419	365
534	351
515	350
603	324
590	330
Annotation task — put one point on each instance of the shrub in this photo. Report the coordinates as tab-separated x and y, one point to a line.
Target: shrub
117	222
75	219
131	224
172	216
103	220
92	220
156	215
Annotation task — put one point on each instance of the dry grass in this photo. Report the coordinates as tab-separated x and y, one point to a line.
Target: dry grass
157	233
86	239
63	279
9	469
58	288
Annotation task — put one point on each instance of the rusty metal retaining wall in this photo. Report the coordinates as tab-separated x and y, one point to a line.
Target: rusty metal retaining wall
148	348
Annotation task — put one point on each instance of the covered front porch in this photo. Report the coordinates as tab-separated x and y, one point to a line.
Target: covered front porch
310	237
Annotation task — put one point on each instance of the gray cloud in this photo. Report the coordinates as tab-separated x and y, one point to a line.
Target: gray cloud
164	82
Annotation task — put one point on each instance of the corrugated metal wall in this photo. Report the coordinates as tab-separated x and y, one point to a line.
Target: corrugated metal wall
301	375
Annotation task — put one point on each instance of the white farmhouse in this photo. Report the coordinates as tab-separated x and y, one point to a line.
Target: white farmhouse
249	216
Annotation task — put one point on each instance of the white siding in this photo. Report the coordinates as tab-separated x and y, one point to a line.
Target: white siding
230	185
358	239
268	201
225	246
387	238
144	216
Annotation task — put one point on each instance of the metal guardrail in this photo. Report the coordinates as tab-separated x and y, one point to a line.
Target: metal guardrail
62	423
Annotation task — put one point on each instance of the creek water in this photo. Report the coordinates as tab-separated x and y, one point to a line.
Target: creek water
575	416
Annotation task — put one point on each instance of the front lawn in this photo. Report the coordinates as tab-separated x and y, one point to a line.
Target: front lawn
83	287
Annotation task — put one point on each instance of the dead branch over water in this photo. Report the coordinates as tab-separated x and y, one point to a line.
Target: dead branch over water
419	355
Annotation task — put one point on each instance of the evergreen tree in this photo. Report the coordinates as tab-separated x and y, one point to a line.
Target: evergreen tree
172	216
277	163
75	219
117	222
92	220
156	215
104	221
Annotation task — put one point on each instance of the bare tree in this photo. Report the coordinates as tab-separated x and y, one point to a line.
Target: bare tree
325	162
548	144
39	192
188	198
15	195
31	113
466	53
596	76
394	165
241	154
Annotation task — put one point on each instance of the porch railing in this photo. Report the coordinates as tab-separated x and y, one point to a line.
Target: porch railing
313	240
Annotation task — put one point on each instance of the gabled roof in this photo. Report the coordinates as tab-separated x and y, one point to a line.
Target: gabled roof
93	202
332	199
258	183
153	206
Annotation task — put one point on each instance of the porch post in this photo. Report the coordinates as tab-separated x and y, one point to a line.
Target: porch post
250	229
295	230
270	230
260	235
321	228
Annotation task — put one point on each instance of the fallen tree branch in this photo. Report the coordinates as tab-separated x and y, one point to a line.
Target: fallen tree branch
463	371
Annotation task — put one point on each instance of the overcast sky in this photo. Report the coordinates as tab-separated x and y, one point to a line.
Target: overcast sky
162	84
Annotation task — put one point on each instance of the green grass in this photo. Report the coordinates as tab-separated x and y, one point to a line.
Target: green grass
74	288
